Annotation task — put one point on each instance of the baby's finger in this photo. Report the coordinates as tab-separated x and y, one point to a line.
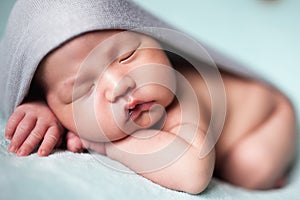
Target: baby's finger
33	140
51	138
12	124
24	128
74	143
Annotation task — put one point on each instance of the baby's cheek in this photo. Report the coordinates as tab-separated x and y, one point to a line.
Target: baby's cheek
84	119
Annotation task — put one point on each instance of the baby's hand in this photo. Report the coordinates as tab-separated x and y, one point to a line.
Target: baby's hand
33	123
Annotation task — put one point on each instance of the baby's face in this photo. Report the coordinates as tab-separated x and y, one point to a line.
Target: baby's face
108	84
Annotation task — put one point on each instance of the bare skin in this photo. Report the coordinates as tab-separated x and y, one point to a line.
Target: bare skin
256	147
258	141
30	125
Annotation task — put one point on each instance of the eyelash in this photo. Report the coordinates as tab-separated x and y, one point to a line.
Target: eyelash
127	56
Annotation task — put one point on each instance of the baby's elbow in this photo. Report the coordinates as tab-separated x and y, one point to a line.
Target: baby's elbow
195	184
195	178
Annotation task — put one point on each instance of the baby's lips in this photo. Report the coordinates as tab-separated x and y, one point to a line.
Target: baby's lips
138	108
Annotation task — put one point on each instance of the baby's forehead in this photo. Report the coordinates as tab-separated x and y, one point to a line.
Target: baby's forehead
107	44
76	49
88	39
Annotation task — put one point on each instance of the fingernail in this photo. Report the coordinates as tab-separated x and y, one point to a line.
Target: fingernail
21	152
42	152
12	148
8	137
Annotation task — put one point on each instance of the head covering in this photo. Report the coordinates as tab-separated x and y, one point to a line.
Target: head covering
36	27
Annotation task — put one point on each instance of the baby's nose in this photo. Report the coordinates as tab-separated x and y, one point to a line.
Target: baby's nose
124	86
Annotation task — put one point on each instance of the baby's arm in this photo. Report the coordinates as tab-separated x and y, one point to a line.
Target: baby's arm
153	151
33	123
188	173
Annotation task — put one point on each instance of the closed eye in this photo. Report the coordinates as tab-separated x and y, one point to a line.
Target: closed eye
126	57
83	92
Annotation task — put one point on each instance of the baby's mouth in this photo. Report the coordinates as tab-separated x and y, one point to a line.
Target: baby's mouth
135	110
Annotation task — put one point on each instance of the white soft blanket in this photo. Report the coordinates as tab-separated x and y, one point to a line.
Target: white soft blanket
66	175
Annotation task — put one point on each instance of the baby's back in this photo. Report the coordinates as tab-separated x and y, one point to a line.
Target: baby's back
258	140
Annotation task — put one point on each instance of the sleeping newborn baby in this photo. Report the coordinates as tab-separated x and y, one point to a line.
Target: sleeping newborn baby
119	93
255	148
